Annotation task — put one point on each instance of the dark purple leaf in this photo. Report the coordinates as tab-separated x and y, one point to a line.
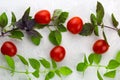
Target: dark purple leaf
26	15
20	24
30	24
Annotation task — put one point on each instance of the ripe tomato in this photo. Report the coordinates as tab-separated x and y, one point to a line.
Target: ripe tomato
100	46
75	25
42	17
58	53
9	48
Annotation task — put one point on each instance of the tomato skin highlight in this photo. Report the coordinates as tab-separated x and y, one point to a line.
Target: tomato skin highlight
9	48
43	17
75	25
57	53
100	46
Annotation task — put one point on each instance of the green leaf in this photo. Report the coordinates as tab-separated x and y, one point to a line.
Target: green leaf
63	16
117	58
61	28
36	73
13	20
23	60
99	13
96	31
113	64
97	58
47	78
3	20
93	19
45	63
99	75
55	37
105	38
35	37
87	29
34	63
54	65
51	74
118	32
114	21
110	74
81	67
16	34
10	62
56	14
91	58
94	23
85	60
58	73
65	71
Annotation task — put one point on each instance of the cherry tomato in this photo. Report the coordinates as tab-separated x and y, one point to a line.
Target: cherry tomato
75	25
100	46
58	53
9	48
42	17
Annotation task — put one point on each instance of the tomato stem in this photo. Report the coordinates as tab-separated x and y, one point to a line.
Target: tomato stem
109	27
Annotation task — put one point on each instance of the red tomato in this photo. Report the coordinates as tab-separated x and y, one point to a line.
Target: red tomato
100	46
9	48
75	25
42	17
58	53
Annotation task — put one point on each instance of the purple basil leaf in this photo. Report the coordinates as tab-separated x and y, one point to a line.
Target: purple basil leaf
20	24
30	24
26	15
34	33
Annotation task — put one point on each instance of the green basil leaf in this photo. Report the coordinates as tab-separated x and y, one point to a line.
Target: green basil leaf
87	29
54	65
85	60
99	13
117	58
114	21
110	74
61	28
91	58
46	77
10	62
36	73
23	60
99	75
81	67
93	19
35	37
34	63
105	38
97	58
96	31
13	20
118	32
58	73
51	74
65	71
3	20
45	63
56	15
55	37
63	16
16	34
113	64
